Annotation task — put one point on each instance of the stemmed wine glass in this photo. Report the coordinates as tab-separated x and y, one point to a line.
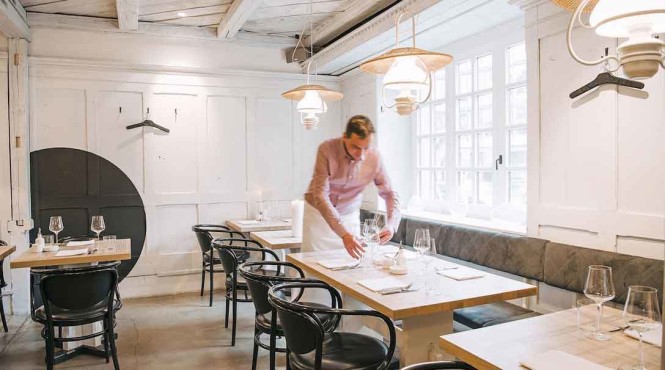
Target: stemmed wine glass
641	313
600	288
56	226
97	225
422	242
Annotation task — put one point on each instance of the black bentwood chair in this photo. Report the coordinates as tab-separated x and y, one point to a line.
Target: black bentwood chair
229	254
266	321
3	284
310	346
208	259
78	296
441	365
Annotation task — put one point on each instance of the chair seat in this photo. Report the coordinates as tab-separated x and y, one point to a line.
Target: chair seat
479	316
344	351
242	257
73	317
264	322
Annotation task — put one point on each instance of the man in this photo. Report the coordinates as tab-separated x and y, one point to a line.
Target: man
344	167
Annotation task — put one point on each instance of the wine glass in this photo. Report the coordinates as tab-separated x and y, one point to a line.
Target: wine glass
600	288
641	313
55	225
421	241
97	225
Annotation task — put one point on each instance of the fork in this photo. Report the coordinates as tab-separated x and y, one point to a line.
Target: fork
397	290
350	267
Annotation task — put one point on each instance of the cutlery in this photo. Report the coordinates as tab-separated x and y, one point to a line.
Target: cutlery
350	267
397	290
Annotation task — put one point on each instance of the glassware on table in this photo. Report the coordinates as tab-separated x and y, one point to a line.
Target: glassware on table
421	242
97	225
586	315
600	288
56	226
48	239
641	313
431	282
109	237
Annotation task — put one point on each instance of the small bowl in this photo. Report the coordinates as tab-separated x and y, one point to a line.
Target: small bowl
51	248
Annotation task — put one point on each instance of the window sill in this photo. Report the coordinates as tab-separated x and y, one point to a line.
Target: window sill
494	225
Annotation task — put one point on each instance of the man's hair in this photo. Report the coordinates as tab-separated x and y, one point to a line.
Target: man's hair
359	125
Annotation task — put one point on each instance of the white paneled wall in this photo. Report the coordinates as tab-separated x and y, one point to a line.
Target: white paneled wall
231	137
596	163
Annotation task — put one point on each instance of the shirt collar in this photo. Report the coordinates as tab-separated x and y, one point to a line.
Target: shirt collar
348	156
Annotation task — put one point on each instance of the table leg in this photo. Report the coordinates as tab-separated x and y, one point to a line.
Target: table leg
419	335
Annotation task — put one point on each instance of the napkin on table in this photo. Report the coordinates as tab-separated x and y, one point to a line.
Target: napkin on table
248	222
383	284
71	252
461	274
654	337
557	360
80	243
337	263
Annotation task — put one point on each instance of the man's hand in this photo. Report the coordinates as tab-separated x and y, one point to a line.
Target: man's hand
385	235
352	246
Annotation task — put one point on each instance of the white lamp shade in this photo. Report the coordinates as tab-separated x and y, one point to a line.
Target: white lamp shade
312	103
406	73
628	18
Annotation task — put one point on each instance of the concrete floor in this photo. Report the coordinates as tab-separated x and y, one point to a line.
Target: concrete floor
172	332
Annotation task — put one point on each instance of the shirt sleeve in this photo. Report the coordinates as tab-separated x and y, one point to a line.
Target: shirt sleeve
382	182
321	192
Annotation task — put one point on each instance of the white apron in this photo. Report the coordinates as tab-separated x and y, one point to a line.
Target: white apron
318	236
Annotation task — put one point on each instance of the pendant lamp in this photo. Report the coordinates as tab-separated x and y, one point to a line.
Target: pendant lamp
407	71
642	54
311	98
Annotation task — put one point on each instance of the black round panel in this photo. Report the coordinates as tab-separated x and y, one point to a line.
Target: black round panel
77	185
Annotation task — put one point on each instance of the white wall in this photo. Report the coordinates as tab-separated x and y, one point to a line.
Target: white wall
232	136
596	163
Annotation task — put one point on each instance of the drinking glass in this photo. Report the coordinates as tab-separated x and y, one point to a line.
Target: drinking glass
56	226
97	225
600	288
431	280
641	313
48	239
421	241
109	237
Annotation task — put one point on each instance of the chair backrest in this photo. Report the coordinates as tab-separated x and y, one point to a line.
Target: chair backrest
77	289
302	329
259	284
204	235
228	252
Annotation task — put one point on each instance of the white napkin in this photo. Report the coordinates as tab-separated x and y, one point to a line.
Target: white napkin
654	337
80	243
461	274
557	360
248	222
337	263
71	252
384	284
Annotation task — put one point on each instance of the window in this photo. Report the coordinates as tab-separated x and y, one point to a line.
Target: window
477	113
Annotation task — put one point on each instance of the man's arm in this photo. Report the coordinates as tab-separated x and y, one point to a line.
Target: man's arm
382	182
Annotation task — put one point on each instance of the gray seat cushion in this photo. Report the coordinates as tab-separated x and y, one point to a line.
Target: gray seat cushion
566	267
484	315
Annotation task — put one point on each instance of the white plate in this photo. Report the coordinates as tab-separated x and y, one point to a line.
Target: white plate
398	270
51	248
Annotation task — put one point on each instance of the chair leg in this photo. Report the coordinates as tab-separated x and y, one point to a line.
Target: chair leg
211	281
203	277
226	318
114	350
50	347
255	354
106	343
235	316
2	314
288	362
273	346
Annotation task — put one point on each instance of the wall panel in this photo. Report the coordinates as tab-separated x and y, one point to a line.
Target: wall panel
59	119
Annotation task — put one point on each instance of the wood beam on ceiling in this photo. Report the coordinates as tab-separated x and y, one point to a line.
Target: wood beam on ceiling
342	22
13	20
128	14
238	14
91	24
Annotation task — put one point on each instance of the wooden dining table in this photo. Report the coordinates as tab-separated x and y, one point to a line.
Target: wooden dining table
104	251
504	346
248	226
424	316
277	239
6	250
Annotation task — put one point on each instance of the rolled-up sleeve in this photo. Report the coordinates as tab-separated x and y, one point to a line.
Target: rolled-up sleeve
385	190
321	192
